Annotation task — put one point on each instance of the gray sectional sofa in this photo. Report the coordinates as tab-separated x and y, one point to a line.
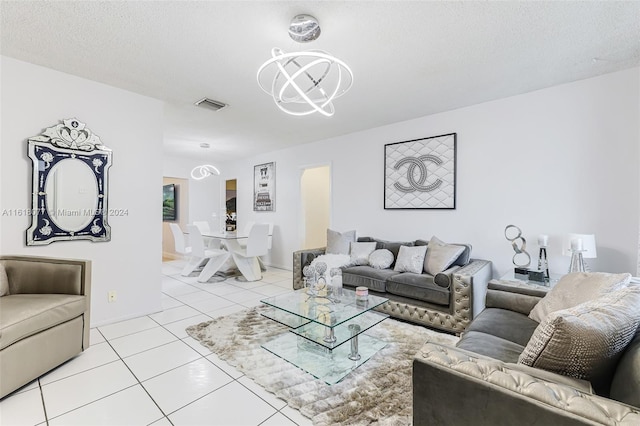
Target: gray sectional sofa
447	301
480	381
44	318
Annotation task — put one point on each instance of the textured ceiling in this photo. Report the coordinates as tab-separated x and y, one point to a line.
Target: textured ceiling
409	59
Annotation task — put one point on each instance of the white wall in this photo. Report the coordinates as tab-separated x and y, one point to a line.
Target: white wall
553	161
34	98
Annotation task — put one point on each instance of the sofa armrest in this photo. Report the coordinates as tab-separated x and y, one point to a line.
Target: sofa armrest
453	386
514	296
302	258
469	289
445	278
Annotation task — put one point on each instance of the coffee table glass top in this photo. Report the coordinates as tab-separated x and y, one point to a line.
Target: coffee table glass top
329	311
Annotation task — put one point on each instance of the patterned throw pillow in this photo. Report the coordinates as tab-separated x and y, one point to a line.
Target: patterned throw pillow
381	259
360	252
440	256
410	259
4	281
339	242
584	341
576	288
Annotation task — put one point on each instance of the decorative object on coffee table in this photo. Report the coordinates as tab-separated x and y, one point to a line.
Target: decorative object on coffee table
543	263
421	173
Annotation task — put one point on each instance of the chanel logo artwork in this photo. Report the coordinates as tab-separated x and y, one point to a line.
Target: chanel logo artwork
421	173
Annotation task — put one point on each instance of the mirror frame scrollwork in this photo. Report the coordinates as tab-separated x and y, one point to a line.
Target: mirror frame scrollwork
69	140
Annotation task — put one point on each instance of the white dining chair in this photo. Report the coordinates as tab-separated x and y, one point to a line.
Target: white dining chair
246	258
204	228
216	257
182	248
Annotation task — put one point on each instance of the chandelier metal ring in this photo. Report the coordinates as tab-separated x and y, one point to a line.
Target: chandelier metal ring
305	82
204	171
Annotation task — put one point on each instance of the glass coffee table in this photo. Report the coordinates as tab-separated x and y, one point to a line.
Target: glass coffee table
326	331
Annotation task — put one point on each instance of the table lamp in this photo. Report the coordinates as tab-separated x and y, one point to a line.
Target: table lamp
579	247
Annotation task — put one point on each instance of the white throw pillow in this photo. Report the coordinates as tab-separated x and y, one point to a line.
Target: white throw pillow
576	288
360	252
339	242
4	281
381	259
440	255
410	259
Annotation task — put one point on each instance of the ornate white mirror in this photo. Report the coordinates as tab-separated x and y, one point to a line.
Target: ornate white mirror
70	182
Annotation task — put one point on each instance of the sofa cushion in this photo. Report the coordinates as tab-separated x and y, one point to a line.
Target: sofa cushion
393	247
462	260
23	315
360	252
366	276
4	281
381	259
625	386
410	259
419	287
586	341
576	288
490	345
506	324
339	242
440	255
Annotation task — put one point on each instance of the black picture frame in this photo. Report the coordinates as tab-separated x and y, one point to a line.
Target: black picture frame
264	187
169	202
421	173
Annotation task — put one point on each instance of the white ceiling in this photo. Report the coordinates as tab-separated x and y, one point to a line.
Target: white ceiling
409	58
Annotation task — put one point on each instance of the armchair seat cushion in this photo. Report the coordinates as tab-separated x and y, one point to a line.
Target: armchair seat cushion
506	324
491	346
23	315
366	276
418	286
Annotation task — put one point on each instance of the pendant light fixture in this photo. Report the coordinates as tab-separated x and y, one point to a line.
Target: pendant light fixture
302	83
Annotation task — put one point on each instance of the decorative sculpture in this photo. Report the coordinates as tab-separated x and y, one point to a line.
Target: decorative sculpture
514	234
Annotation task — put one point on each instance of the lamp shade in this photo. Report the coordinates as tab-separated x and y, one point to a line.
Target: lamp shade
587	241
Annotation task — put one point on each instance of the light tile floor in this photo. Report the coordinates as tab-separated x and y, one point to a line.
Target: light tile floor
147	371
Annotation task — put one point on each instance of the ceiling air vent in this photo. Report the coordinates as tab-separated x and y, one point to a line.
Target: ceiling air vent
211	104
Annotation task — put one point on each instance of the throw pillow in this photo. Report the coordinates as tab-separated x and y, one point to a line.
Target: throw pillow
339	242
4	281
585	341
381	259
360	252
440	255
576	288
410	259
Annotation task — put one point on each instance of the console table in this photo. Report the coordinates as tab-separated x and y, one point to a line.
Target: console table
326	331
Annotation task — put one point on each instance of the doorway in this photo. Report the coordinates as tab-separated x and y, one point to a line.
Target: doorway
230	202
315	193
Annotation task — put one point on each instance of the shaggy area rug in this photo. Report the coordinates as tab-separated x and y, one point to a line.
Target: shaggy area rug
378	392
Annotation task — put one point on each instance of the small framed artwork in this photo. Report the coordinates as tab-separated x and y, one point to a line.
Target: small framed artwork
264	187
421	173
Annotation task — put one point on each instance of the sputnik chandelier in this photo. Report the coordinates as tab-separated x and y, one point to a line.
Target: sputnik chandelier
302	83
204	171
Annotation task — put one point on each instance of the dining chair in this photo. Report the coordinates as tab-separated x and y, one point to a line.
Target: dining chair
216	257
181	248
204	228
246	258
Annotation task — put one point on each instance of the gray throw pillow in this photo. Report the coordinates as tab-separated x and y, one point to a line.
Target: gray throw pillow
360	252
4	281
576	288
339	242
440	256
585	341
381	259
410	259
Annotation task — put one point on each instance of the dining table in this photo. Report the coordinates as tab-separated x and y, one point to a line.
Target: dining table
232	241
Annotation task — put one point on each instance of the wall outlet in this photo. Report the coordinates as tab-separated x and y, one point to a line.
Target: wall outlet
112	296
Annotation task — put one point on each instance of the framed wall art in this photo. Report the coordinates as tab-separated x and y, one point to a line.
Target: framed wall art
421	173
264	187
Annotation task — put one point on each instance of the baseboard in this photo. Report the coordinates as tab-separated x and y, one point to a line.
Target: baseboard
125	317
